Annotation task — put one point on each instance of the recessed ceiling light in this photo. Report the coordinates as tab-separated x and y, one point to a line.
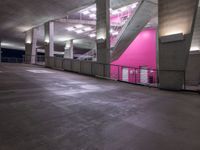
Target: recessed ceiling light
79	31
111	30
92	16
87	29
86	12
93	9
123	9
134	5
79	26
70	28
115	33
92	35
114	12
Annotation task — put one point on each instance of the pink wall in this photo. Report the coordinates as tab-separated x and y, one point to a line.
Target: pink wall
140	53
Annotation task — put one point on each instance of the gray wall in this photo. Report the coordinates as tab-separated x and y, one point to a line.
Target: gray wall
175	16
193	70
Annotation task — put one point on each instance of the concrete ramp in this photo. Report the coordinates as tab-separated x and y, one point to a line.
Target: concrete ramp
145	12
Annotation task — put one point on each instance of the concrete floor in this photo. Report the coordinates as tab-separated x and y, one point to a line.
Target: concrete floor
43	109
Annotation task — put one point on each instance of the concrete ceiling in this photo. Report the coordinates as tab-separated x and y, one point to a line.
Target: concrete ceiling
16	17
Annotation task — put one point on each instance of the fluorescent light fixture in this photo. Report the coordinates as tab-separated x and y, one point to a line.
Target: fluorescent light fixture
134	5
92	35
172	38
111	30
114	12
93	9
123	9
79	31
59	53
86	12
6	44
79	26
87	29
70	29
115	33
92	16
62	38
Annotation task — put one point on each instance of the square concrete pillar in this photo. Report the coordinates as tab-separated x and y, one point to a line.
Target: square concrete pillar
30	46
103	33
69	50
176	25
49	41
0	52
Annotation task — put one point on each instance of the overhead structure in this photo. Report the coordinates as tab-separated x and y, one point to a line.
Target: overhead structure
145	12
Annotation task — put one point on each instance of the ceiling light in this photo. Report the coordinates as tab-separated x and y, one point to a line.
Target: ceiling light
86	12
70	29
92	35
92	16
123	9
93	9
79	31
115	33
6	44
134	5
111	30
114	12
79	26
87	29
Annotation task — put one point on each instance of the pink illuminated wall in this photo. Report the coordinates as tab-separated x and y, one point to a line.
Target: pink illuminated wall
140	53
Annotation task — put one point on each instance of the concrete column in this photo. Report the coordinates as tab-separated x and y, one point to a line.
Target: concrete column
69	50
176	25
49	39
196	36
103	33
30	46
0	52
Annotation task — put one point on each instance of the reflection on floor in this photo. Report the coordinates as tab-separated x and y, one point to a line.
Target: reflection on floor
66	111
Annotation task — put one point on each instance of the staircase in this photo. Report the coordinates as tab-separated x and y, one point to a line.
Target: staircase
145	12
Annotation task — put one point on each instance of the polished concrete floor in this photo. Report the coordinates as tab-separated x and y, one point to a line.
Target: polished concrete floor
43	109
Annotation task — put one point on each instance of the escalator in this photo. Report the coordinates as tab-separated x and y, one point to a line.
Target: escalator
145	12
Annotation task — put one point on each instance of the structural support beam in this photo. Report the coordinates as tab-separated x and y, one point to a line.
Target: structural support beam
196	36
103	35
69	50
30	46
49	40
176	25
0	52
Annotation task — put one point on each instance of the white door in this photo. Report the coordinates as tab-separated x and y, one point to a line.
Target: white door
125	74
143	76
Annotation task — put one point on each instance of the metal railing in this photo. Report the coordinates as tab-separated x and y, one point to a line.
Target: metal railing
12	60
38	59
133	75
